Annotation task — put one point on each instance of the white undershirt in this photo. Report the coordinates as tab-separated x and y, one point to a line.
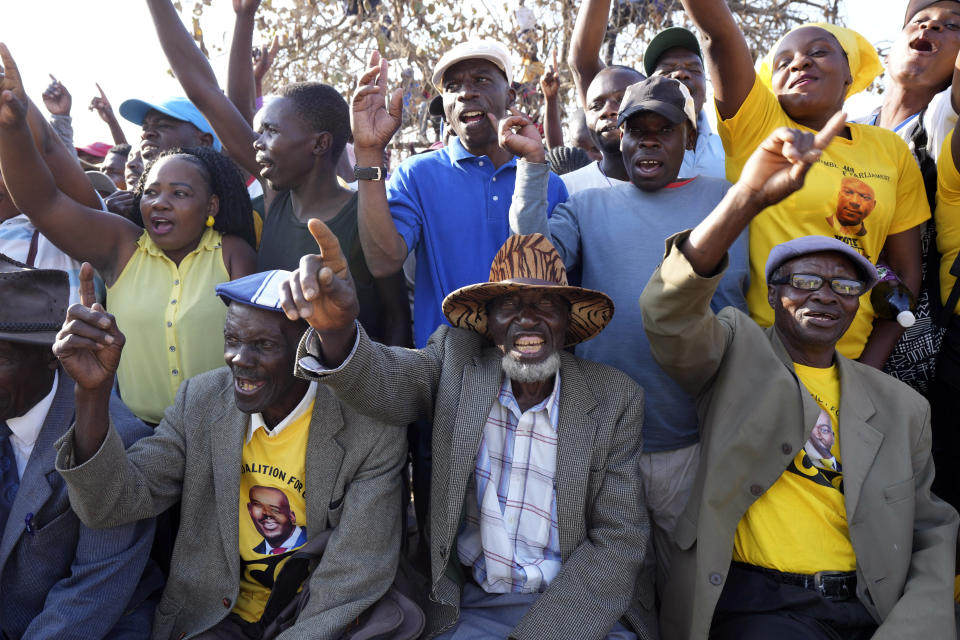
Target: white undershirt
26	428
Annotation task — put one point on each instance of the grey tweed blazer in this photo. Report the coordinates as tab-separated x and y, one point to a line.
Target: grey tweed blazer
603	523
353	485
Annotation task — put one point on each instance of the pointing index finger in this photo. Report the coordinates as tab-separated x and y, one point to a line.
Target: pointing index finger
329	246
88	294
834	126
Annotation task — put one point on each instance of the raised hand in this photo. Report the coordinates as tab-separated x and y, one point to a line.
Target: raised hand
372	119
246	6
518	135
56	98
550	80
102	106
321	291
89	343
779	165
13	99
263	58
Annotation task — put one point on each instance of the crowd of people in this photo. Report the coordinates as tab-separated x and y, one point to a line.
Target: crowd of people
617	377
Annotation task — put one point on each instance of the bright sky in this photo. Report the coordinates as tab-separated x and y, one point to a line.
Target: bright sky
113	42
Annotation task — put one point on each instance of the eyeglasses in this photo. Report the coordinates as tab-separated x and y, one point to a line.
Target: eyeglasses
811	282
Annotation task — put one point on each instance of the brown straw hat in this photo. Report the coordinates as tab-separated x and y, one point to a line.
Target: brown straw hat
529	262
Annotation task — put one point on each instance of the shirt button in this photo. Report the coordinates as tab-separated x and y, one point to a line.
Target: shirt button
755	489
716	579
172	348
495	198
786	448
226	602
176	282
494	178
169	324
175	372
174	301
480	163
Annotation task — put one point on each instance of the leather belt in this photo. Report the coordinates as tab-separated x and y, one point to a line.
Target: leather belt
832	585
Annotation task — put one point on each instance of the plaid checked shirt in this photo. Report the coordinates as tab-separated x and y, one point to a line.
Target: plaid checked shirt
510	532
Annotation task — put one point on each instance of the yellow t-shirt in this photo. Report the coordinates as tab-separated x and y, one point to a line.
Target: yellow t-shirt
273	513
172	319
948	218
799	525
871	178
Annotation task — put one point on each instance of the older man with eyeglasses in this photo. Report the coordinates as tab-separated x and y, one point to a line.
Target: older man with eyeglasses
777	541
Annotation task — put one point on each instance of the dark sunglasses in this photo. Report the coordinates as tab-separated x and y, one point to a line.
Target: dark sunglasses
811	282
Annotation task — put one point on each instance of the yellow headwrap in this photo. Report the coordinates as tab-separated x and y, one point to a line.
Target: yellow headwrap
861	55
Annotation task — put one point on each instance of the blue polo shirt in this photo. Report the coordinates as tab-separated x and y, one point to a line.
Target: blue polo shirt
452	207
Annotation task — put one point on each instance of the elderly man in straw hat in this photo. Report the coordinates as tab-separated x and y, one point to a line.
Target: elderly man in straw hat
535	527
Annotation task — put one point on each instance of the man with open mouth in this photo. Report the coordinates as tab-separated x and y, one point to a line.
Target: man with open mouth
615	235
262	463
775	542
537	528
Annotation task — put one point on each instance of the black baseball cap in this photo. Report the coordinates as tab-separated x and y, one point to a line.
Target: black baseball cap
668	39
659	94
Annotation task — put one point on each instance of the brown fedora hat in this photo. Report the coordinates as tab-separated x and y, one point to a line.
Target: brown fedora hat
529	262
34	302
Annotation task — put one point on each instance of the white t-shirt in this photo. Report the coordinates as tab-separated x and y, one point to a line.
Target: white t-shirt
938	120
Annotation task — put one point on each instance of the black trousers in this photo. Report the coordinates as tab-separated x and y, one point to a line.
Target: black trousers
754	606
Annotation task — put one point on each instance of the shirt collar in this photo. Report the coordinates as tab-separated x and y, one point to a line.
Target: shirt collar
256	419
551	403
26	428
703	125
458	153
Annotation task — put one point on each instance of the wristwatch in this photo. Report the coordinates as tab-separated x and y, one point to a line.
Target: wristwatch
368	173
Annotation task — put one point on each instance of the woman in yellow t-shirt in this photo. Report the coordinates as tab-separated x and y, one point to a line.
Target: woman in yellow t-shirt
196	230
866	190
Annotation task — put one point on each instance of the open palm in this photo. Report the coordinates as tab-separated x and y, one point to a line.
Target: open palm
372	118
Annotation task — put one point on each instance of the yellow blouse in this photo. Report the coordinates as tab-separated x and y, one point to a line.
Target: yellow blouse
172	320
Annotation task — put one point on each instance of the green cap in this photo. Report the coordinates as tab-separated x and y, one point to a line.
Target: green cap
668	39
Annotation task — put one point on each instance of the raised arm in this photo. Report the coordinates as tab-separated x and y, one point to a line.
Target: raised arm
374	121
550	87
240	82
81	232
728	57
775	170
104	109
584	55
200	84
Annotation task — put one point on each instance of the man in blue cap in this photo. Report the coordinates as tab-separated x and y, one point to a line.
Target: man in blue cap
249	425
169	123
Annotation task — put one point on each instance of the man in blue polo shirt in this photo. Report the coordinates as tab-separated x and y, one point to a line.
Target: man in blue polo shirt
449	206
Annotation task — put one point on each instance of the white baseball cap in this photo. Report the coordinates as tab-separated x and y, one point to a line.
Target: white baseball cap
486	49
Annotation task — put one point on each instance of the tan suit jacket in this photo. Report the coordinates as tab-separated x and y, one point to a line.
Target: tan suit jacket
755	415
194	456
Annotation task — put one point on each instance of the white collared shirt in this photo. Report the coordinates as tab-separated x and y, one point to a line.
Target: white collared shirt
288	544
256	419
26	428
708	158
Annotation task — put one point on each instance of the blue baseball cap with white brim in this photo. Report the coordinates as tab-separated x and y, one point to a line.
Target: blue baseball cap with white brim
261	290
177	107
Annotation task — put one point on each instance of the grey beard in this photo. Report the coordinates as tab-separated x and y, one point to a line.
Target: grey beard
526	373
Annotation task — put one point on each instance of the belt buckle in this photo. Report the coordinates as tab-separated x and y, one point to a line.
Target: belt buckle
821	580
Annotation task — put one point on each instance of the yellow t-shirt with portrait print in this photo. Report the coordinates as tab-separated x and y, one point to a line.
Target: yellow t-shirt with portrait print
947	218
860	191
273	515
799	525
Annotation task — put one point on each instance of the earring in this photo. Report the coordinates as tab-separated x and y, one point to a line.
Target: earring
209	221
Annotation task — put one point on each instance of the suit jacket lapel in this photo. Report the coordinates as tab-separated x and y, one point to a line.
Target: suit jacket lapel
576	430
859	442
34	488
323	457
479	388
810	408
227	432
